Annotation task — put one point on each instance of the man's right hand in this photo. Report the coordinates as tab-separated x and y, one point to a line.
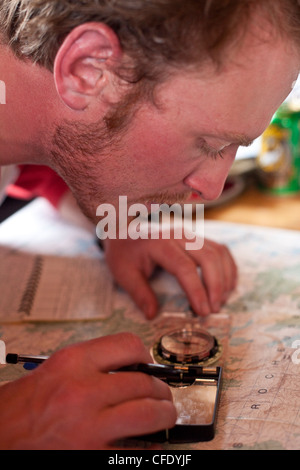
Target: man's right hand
71	401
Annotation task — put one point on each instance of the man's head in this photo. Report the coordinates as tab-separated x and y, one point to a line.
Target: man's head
154	90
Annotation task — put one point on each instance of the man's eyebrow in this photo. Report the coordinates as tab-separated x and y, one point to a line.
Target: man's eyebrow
240	139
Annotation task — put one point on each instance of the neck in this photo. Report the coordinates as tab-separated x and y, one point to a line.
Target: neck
24	124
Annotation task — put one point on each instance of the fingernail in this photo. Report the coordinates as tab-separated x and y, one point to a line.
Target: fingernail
216	307
226	296
149	311
203	309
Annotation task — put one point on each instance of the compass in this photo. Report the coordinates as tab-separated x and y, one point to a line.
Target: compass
187	346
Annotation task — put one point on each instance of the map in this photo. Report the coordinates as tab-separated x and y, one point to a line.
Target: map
259	328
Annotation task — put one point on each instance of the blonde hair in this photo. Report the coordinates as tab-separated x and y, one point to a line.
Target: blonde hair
153	33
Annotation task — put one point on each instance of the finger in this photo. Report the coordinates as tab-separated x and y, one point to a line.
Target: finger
126	386
230	269
136	418
99	391
212	275
218	272
102	354
138	287
120	350
228	264
174	259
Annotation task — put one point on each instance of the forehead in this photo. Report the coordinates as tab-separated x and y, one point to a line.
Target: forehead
238	101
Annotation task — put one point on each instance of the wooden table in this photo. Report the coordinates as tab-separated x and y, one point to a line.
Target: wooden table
258	208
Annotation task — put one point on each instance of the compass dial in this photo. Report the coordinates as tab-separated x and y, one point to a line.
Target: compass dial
186	346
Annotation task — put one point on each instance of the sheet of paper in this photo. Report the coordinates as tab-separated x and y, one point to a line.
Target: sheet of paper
51	270
52	288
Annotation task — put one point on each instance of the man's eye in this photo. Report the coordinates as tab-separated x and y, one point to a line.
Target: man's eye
209	151
221	153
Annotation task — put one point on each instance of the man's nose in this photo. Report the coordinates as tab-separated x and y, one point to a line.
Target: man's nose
208	180
208	189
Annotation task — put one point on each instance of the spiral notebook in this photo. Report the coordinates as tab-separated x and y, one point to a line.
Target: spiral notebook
53	288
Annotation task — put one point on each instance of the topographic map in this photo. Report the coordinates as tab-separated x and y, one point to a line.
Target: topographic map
259	328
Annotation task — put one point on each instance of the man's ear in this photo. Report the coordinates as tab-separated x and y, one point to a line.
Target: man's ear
84	65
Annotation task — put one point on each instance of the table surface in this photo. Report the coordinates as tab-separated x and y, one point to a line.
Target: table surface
256	207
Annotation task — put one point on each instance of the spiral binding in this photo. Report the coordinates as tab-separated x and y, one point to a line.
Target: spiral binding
31	287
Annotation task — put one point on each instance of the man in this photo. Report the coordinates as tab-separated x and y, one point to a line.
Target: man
149	100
